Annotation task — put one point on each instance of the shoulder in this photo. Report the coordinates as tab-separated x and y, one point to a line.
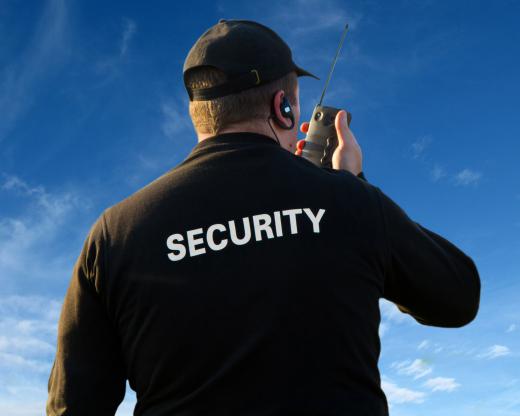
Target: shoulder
136	206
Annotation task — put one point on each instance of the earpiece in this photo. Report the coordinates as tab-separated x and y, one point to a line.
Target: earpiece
285	109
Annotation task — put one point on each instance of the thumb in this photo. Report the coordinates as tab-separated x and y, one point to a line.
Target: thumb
342	128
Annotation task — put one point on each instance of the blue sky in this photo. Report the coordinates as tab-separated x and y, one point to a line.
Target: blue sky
93	108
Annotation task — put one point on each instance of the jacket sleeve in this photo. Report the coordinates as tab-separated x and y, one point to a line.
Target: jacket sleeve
87	376
427	277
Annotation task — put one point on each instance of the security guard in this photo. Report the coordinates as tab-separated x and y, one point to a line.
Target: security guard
246	280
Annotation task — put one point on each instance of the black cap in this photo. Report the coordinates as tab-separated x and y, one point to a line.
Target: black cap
249	53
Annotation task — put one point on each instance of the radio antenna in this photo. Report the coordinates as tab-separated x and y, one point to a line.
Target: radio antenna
334	63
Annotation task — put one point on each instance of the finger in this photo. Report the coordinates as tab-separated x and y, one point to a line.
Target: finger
341	128
304	128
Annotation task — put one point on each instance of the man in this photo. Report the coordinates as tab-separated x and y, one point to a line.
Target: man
246	280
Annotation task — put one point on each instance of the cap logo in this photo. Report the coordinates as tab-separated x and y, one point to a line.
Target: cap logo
257	76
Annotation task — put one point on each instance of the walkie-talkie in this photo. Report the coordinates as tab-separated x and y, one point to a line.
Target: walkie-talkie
322	139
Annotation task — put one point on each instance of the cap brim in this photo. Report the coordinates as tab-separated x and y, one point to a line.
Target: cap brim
302	72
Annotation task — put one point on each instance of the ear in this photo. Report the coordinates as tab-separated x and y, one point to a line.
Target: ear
276	102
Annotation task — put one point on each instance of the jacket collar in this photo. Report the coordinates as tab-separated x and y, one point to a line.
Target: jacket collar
233	140
237	138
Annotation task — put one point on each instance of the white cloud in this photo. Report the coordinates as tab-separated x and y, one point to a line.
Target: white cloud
27	241
398	395
23	344
419	146
159	155
423	344
390	312
303	34
418	368
326	15
175	121
28	325
128	33
109	66
511	328
499	401
23	406
437	173
55	205
437	347
19	362
467	177
19	78
495	351
441	384
34	306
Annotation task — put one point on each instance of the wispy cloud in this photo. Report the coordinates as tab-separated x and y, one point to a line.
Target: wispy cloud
24	405
511	328
494	352
301	23
326	15
22	343
390	314
26	240
109	66
28	325
418	368
467	177
441	384
19	362
458	349
423	344
399	395
129	28
417	150
419	146
176	120
19	79
160	155
51	204
437	173
426	345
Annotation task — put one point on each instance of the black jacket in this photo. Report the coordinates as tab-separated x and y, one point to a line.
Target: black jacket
246	281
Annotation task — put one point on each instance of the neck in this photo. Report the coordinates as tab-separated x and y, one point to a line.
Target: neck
239	128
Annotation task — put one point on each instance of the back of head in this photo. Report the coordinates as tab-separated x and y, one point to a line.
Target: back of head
215	115
233	71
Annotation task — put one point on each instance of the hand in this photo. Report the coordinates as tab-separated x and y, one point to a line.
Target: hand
347	156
